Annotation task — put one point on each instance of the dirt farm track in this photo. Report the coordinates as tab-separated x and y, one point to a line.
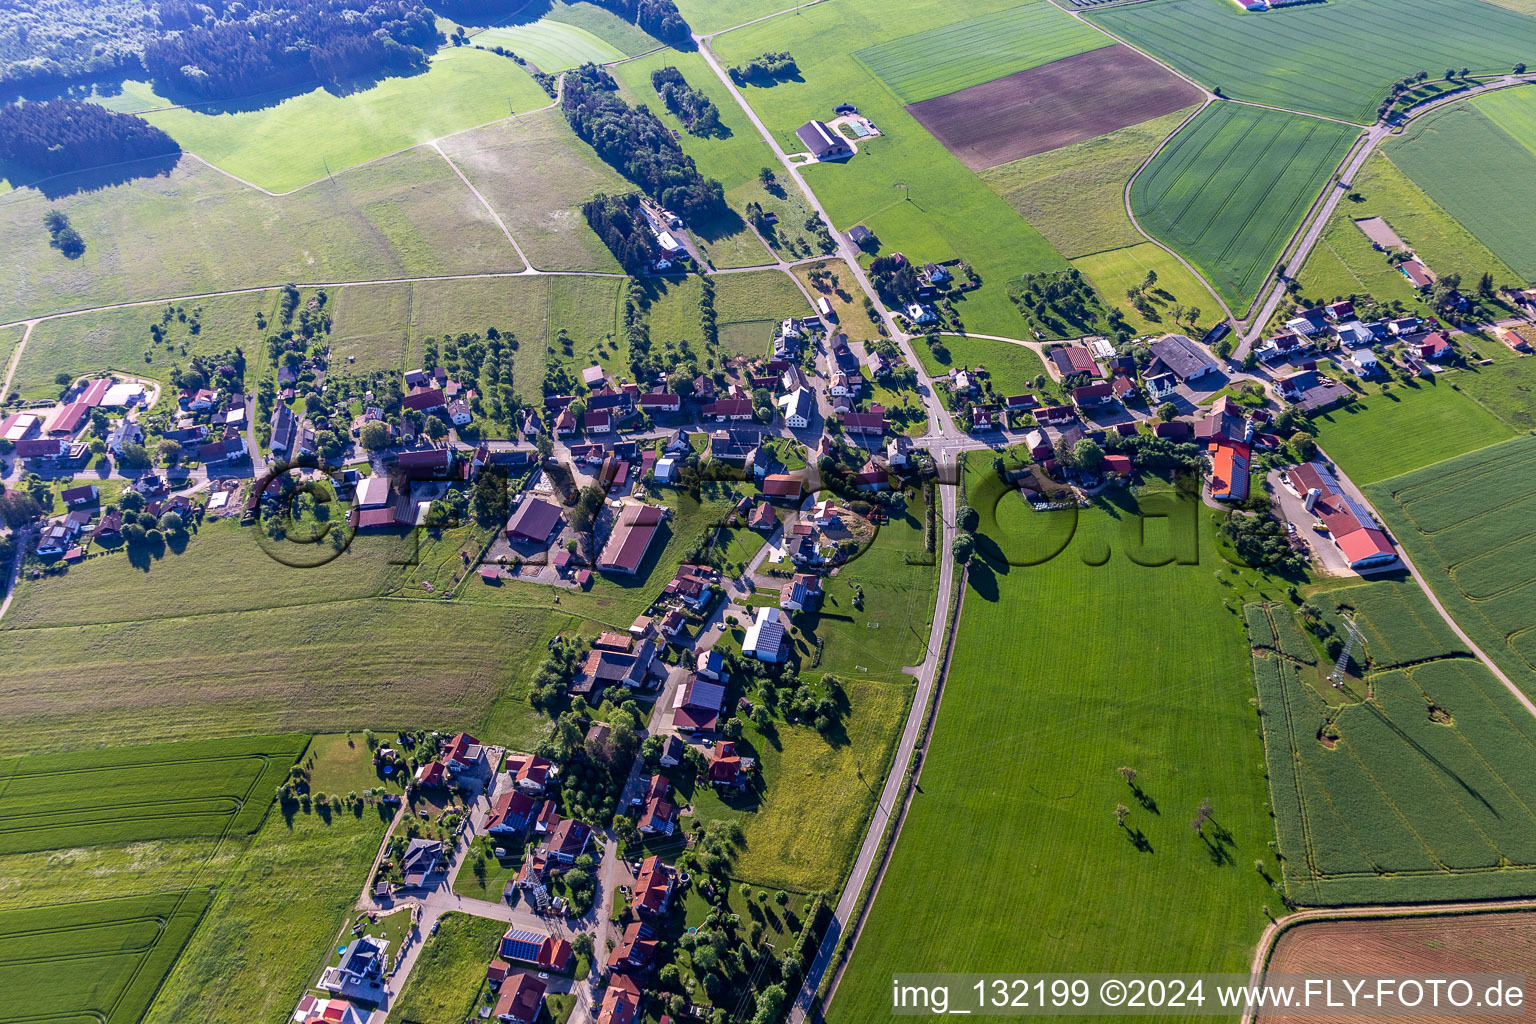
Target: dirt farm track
1498	942
1054	105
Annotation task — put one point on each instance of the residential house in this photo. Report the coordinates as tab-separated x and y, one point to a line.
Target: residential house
1093	396
733	409
656	402
511	815
285	430
898	451
529	947
420	860
1229	470
1435	346
697	705
361	970
566	841
521	1001
1308	322
709	664
727	768
124	432
673	750
425	400
920	313
762	518
636	951
658	815
1417	274
865	424
798	408
464	755
802	592
459	413
767	638
653	888
78	497
426	464
602	669
1056	415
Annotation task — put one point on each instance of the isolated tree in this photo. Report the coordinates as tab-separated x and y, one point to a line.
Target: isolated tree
1150	281
1121	811
374	435
1167	412
1520	68
1129	775
766	176
963	547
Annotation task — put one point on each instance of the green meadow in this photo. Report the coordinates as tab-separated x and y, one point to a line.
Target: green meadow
322	133
1289	58
550	45
1013	368
450	971
1159	683
1116	271
943	60
536	174
1230	188
198	231
933	216
1405	428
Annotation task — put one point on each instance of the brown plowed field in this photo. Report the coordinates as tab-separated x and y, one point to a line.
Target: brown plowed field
1500	942
1054	105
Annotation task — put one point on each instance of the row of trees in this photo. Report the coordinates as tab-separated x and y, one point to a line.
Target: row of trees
635	142
223	50
617	221
59	136
660	18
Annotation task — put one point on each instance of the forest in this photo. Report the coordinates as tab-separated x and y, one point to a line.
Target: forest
218	50
60	136
637	144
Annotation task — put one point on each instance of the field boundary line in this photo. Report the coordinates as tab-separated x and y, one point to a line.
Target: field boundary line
528	266
1279	926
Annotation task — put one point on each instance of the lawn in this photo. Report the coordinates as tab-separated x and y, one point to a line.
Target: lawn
342	763
130	794
846	297
1033	751
322	133
1013	368
551	45
535	174
1261	57
1344	263
803	830
1075	195
709	16
1230	188
1377	801
946	199
450	972
273	918
1113	272
99	961
1404	429
943	60
762	295
626	36
197	230
1454	520
1469	164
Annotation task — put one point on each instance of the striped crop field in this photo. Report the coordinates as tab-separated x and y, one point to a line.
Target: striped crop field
1465	522
136	794
1230	188
1410	784
1474	160
1337	58
944	60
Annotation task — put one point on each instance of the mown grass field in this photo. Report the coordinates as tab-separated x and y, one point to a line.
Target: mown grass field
1013	368
449	972
1406	428
198	231
1260	58
943	60
272	920
1506	387
1469	165
120	339
706	16
325	133
124	795
1159	682
551	46
94	961
1075	195
1344	262
1113	272
946	199
536	174
1461	523
803	830
625	36
1230	188
1409	785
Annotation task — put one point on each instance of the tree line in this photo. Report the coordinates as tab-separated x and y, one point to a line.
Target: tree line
617	221
59	136
635	142
219	51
